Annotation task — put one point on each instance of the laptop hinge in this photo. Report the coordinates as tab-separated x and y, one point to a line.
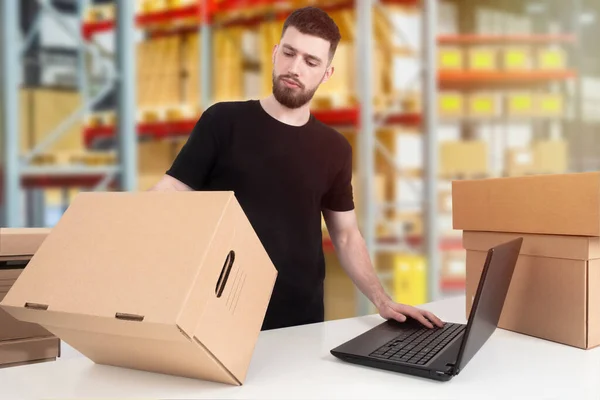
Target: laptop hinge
451	369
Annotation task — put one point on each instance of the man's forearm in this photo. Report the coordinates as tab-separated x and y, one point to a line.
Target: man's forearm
354	258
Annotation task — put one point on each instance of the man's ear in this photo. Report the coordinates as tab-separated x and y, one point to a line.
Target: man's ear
328	74
274	52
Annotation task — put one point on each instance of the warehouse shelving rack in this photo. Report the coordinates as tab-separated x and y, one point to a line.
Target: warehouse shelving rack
19	171
363	116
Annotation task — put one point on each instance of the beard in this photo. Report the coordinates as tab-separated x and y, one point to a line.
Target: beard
291	97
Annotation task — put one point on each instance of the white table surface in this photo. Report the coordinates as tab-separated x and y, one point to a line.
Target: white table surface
295	363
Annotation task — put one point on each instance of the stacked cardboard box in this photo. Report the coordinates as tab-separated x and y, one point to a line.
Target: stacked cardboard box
21	342
555	291
126	284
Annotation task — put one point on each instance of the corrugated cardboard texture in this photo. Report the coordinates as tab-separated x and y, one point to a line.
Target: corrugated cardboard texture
593	303
553	246
567	204
29	350
547	297
153	258
21	241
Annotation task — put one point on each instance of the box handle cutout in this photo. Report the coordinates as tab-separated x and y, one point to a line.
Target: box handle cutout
224	276
129	317
35	306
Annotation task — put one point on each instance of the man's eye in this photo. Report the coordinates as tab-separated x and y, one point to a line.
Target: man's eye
288	54
312	64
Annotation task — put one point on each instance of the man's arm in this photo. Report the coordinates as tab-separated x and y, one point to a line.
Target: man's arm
167	183
354	257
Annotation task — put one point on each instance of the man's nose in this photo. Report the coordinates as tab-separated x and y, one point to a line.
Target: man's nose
294	67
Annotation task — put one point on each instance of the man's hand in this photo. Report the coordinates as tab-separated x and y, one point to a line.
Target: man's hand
389	309
352	252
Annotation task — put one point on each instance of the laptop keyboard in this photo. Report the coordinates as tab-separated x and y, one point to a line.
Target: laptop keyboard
418	345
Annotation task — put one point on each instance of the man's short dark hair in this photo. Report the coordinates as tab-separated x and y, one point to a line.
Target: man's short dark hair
316	22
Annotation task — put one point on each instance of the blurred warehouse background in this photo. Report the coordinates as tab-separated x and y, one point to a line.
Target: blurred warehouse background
101	95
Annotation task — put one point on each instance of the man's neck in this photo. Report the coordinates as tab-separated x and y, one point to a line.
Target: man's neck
295	117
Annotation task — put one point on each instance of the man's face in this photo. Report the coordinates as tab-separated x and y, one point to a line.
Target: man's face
300	65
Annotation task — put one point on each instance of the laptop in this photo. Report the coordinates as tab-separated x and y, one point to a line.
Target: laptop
439	353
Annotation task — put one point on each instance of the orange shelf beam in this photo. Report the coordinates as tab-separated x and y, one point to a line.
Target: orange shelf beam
446	244
452	284
508	78
156	130
506	39
159	130
215	11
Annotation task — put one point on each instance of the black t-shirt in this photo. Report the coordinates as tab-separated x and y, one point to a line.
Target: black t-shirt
282	176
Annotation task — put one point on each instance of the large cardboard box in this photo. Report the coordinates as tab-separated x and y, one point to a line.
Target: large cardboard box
169	282
561	204
555	290
21	342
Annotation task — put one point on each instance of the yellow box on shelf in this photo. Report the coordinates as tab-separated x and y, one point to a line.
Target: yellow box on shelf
517	59
410	279
451	104
482	105
549	105
520	104
450	59
551	59
483	59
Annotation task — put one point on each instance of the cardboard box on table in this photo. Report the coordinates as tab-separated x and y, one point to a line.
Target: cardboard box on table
558	204
555	290
21	342
175	283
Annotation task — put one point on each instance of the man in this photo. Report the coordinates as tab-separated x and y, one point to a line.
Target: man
286	168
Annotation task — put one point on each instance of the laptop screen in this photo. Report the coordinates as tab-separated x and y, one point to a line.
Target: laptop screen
489	299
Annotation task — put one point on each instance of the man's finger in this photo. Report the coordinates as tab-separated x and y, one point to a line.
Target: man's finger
398	316
430	316
416	314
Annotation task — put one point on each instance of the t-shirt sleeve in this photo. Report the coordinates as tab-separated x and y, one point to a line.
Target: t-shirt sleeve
339	197
198	155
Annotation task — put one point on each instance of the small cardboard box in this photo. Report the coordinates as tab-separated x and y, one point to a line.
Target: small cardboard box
483	104
21	342
555	290
450	58
20	243
451	104
517	59
483	59
549	105
520	104
169	282
464	158
551	59
28	351
519	161
560	204
551	156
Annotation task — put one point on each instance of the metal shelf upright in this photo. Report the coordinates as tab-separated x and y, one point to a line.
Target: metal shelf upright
126	94
9	15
